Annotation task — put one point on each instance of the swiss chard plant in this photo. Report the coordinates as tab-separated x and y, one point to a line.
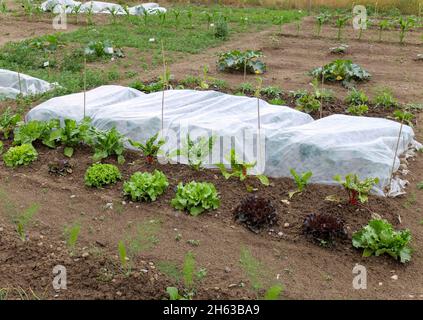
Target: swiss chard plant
71	135
301	181
106	144
241	61
20	155
358	190
27	133
404	116
358	110
196	197
196	151
344	71
150	148
99	175
379	237
8	121
144	186
240	169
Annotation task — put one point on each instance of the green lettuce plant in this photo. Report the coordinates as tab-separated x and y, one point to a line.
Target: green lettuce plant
20	155
145	186
99	175
196	197
379	237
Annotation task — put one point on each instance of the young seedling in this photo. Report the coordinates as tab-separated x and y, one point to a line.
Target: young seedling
24	219
72	234
176	14
321	19
257	274
123	258
405	25
204	82
150	148
240	169
358	190
340	23
190	278
383	25
196	151
301	180
113	11
76	10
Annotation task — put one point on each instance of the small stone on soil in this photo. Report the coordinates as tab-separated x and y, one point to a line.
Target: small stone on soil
227	269
394	277
286	225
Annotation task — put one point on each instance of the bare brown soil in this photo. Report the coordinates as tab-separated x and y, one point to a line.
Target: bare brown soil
289	58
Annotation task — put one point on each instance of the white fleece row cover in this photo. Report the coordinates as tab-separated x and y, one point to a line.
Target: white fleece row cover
10	87
337	144
57	6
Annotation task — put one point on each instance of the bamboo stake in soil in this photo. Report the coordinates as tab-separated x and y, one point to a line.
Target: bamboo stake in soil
395	154
85	85
164	84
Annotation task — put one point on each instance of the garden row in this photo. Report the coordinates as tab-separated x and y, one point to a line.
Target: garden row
197	197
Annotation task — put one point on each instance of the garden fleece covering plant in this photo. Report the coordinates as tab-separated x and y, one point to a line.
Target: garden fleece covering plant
20	155
196	197
144	186
239	61
100	174
344	71
379	237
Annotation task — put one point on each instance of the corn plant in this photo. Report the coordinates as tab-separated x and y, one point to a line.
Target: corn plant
89	15
340	24
405	25
76	10
321	19
145	17
113	13
240	169
209	19
162	17
279	21
189	16
301	180
383	25
176	14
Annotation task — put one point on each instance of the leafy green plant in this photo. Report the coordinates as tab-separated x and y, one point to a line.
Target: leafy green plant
245	88
72	234
321	19
356	97
358	110
241	61
123	256
20	155
343	71
240	169
145	186
383	25
196	197
271	92
379	237
405	25
1	147
196	151
256	273
340	24
221	28
404	117
301	180
385	98
27	133
308	103
190	278
358	190
71	135
24	219
277	101
8	121
150	148
106	144
99	175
